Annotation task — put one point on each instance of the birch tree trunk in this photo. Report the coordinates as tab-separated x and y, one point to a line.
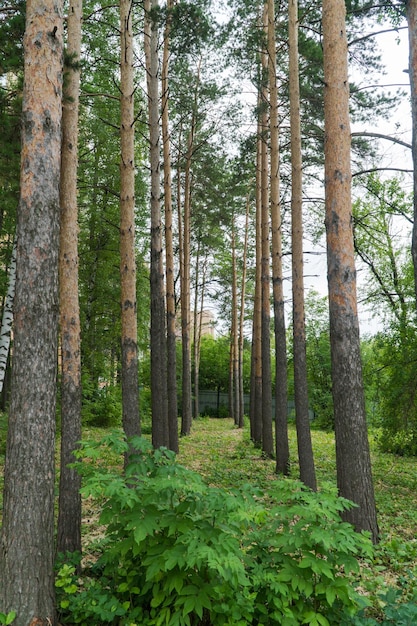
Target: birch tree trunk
69	505
130	382
354	476
27	535
169	247
7	320
160	433
302	419
282	451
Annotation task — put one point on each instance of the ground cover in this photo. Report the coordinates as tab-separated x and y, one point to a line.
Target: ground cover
226	458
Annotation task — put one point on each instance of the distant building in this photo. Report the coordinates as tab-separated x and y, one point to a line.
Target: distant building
208	324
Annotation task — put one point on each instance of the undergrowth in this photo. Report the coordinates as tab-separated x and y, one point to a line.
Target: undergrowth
178	551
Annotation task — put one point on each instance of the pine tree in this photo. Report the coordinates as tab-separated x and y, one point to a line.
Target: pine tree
354	476
27	535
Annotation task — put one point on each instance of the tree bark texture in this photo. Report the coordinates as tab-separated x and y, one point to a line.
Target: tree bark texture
7	319
242	314
282	451
235	333
130	381
267	436
412	67
160	434
256	356
169	246
354	475
186	415
302	420
27	538
69	508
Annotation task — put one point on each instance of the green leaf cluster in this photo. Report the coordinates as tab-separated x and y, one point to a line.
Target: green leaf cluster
7	618
177	551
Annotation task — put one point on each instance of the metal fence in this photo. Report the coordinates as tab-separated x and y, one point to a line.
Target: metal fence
216	404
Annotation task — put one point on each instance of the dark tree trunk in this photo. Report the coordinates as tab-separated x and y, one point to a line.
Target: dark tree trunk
256	356
354	476
129	371
160	432
186	418
282	451
169	251
267	436
27	539
304	443
69	506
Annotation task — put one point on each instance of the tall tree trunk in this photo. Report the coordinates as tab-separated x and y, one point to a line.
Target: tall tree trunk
27	535
230	395
198	328
186	420
69	509
235	333
242	315
302	420
354	476
185	294
267	436
7	319
412	67
282	451
197	320
130	381
256	357
169	247
159	400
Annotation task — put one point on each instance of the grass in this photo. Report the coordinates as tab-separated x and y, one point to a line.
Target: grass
225	455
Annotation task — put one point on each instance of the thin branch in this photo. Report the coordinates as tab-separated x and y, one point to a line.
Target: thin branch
382	136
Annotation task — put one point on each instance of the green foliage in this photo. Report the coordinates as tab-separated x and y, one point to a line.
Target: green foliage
179	552
318	360
7	618
214	364
393	612
102	406
395	390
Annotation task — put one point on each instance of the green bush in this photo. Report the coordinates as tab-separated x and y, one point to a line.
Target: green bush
394	612
102	407
179	552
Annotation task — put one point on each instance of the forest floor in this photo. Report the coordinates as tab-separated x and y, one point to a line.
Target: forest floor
225	456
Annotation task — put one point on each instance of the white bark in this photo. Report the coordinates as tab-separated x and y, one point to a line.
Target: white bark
7	321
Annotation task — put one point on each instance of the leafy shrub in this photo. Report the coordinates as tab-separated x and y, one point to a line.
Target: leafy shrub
102	407
402	442
394	612
179	552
